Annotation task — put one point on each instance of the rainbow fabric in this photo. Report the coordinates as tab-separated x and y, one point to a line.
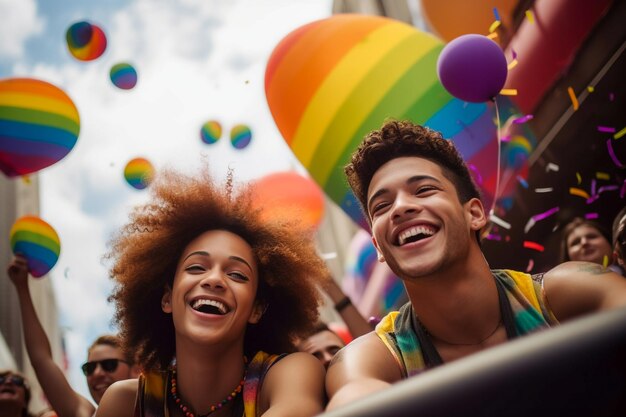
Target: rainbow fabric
39	125
38	242
529	310
153	388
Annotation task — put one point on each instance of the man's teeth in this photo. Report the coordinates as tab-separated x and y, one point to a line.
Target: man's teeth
201	302
414	231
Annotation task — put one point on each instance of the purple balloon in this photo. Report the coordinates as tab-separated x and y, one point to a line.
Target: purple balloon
472	68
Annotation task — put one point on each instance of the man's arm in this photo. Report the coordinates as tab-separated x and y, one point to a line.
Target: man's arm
573	289
63	399
356	323
362	367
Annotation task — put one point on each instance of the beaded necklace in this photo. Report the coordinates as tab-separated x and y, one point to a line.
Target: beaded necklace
218	406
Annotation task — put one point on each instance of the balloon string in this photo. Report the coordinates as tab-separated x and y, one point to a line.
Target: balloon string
498	138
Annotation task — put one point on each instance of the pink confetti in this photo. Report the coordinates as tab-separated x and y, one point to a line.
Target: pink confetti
478	177
609	145
523	119
611	96
622	192
589	216
545	214
606	129
492	236
505	138
531	264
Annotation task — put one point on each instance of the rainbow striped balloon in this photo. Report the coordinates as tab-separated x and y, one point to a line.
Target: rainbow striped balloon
38	242
211	132
39	125
139	173
123	76
85	41
332	81
240	136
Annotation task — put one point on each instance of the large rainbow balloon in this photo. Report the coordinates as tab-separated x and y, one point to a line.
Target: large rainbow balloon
289	196
123	76
85	41
139	173
38	242
39	125
332	81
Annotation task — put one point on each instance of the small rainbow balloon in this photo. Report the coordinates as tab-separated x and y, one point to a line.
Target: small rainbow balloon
39	125
85	41
139	173
240	136
38	242
123	75
211	132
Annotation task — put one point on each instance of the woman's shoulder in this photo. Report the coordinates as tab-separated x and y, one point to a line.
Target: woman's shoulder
119	399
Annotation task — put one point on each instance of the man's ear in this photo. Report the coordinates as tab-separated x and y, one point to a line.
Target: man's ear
379	254
166	300
476	214
257	311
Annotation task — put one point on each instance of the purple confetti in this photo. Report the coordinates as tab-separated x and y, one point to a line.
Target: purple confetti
609	145
479	178
523	119
492	236
590	216
606	129
545	214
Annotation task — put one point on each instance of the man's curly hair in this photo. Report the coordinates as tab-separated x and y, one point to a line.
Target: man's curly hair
146	251
404	138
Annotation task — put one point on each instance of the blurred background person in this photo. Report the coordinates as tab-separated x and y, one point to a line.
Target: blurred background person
14	394
586	240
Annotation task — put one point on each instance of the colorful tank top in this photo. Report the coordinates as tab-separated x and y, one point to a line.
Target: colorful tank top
153	388
524	294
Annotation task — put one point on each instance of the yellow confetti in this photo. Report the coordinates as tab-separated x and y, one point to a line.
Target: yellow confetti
508	92
495	25
512	64
579	178
530	16
620	134
26	179
605	261
492	36
603	176
590	89
579	192
572	97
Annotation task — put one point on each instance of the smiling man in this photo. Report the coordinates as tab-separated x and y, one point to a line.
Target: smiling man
425	215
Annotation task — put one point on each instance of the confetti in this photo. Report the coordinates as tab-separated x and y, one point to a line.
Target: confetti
544	190
620	134
496	14
572	97
495	219
512	65
606	129
529	16
552	167
545	214
492	36
578	192
622	192
522	181
605	261
609	145
607	188
523	119
533	245
508	92
590	216
590	89
495	25
529	224
603	176
492	236
579	178
530	266
611	96
505	138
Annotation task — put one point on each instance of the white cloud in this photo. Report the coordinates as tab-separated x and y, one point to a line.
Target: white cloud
19	23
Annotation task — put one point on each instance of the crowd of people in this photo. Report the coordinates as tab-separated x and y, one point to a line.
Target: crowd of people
218	310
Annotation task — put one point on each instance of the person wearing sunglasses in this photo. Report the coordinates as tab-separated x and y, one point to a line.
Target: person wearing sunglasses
63	399
211	297
14	394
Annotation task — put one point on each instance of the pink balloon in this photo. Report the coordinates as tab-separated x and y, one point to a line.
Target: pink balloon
472	68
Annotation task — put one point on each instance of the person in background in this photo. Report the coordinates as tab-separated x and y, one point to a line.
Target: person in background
586	240
426	216
211	297
322	343
619	240
106	361
14	394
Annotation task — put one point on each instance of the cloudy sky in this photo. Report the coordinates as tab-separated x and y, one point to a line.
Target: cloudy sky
197	60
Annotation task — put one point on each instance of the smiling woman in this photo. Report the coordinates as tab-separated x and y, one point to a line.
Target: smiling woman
207	291
14	394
